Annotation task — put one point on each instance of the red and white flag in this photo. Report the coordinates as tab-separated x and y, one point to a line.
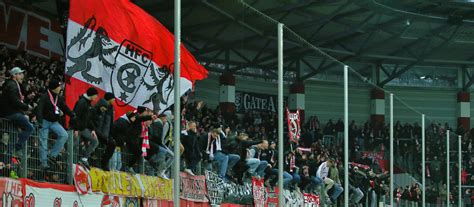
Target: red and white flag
117	47
294	126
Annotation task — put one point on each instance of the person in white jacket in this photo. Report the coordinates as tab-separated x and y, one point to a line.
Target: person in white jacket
323	173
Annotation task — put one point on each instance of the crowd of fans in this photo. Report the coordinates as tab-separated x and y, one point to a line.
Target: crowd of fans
236	147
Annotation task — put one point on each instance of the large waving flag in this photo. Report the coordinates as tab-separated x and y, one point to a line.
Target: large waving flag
117	47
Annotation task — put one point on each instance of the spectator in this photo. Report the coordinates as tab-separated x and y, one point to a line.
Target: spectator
192	153
14	108
257	167
161	156
50	109
122	129
104	117
215	152
83	124
323	174
134	142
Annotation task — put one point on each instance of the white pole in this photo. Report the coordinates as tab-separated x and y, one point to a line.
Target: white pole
177	100
423	162
447	167
281	198
391	150
346	136
459	171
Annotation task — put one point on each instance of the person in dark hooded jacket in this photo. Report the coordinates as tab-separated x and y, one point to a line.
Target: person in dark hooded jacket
84	125
104	118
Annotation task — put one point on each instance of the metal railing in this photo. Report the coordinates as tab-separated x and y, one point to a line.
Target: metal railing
30	166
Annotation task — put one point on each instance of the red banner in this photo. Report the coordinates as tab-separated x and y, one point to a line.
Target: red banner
193	188
310	200
10	192
258	191
294	126
272	197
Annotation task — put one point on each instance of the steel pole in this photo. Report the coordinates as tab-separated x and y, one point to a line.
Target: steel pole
391	150
423	162
346	136
281	198
177	100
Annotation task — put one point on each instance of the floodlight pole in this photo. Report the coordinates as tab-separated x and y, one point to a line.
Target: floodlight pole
459	170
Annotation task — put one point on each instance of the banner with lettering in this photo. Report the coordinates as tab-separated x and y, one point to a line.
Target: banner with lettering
11	193
215	188
238	194
247	101
258	192
193	188
29	31
124	184
294	126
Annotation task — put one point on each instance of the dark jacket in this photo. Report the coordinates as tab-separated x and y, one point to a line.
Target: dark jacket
154	134
84	115
103	120
121	130
135	140
191	146
242	146
10	100
46	110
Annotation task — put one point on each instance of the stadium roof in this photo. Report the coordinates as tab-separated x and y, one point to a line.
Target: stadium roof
226	36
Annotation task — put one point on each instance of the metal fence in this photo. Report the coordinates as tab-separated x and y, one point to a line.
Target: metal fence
30	166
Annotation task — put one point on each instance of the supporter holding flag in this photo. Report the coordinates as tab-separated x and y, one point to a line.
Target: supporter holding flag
51	108
14	108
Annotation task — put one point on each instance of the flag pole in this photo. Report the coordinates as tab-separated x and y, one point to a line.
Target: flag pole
459	170
346	136
391	150
447	168
423	162
281	198
177	100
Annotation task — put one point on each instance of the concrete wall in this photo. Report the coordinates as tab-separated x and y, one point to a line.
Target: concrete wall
325	100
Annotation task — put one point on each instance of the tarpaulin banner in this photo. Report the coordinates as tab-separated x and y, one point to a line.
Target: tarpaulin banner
293	198
258	192
124	184
193	188
272	197
11	193
46	194
311	200
294	126
215	188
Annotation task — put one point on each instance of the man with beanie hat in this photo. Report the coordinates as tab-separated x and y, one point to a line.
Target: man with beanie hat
121	130
104	118
14	108
51	108
134	141
83	124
